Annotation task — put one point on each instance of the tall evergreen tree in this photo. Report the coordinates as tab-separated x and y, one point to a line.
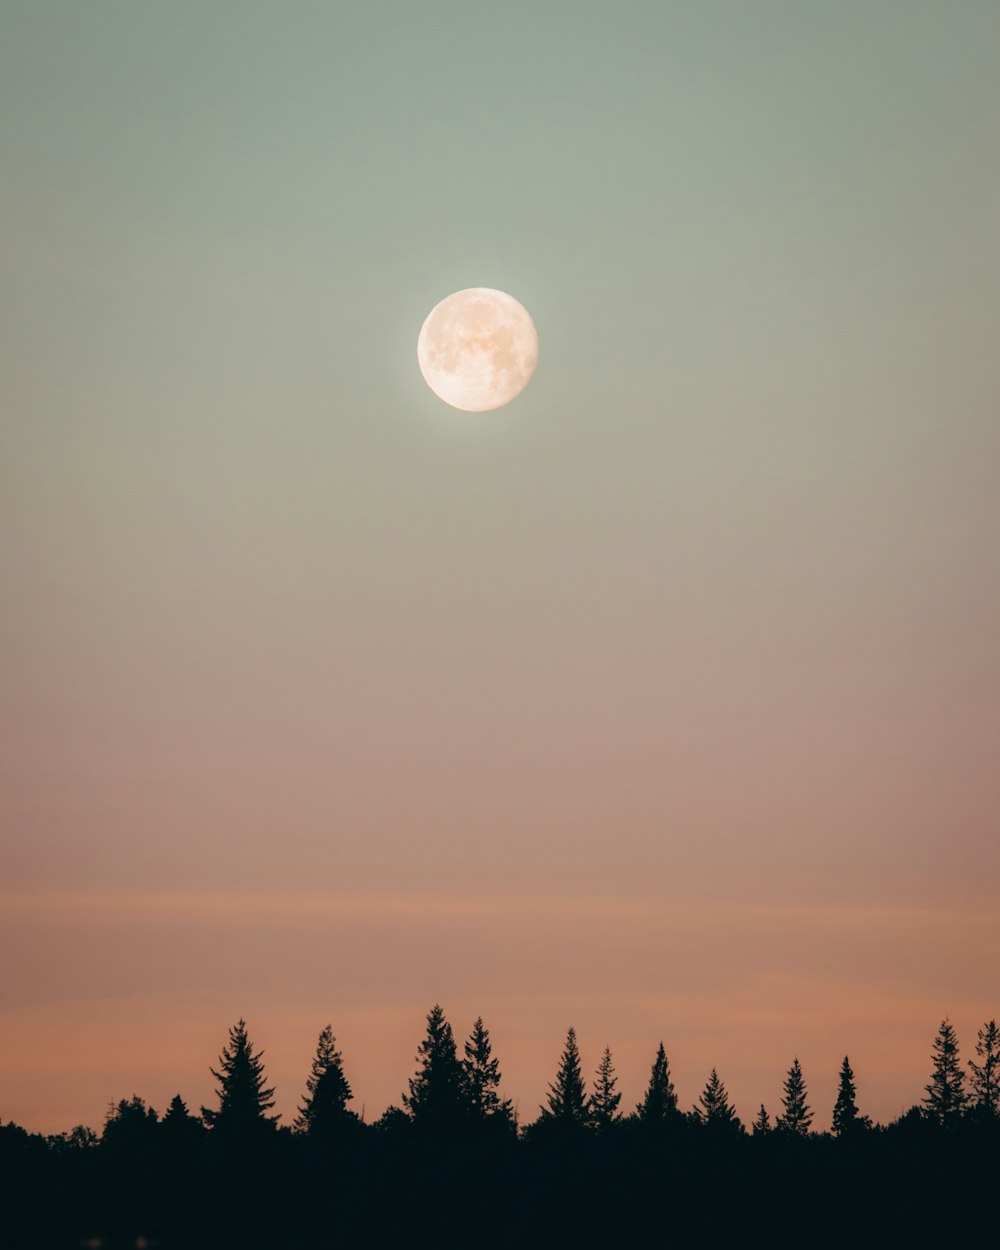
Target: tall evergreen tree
845	1111
659	1103
244	1100
985	1078
946	1096
762	1123
324	1109
716	1111
567	1097
797	1115
482	1078
603	1105
437	1098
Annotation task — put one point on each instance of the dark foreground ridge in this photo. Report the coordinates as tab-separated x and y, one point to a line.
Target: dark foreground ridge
452	1166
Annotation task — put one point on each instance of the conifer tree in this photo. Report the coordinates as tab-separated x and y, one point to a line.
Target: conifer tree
797	1115
324	1109
179	1128
946	1096
603	1105
845	1111
437	1098
985	1079
716	1110
177	1111
659	1103
244	1100
762	1123
482	1077
567	1097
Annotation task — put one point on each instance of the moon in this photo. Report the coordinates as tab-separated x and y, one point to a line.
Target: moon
477	349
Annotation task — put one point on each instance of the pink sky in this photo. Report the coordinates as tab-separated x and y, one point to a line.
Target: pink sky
141	987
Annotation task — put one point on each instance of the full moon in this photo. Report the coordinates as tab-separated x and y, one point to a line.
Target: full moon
477	349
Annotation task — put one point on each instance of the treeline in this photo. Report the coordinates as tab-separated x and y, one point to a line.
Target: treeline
454	1153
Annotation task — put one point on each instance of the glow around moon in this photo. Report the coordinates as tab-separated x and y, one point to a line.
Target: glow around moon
477	349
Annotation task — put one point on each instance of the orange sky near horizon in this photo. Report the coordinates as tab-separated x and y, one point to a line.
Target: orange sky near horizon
142	987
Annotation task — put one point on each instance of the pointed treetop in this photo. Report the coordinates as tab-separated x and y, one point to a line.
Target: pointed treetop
845	1111
659	1103
244	1100
177	1109
946	1097
437	1100
567	1097
328	1092
797	1114
603	1105
716	1110
179	1125
482	1077
985	1079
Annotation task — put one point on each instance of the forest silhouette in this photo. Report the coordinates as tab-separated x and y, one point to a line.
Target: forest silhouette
452	1165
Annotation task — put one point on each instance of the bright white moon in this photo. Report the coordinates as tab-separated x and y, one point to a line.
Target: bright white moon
477	349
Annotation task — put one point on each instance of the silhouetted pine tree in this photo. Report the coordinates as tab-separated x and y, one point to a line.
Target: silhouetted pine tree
603	1105
324	1109
946	1097
985	1079
762	1123
845	1111
716	1111
244	1101
177	1112
179	1128
567	1096
482	1078
659	1103
797	1115
437	1098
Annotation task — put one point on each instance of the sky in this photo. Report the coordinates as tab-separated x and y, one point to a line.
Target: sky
664	702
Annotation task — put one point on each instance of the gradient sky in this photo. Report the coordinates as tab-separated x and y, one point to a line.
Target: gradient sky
664	702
